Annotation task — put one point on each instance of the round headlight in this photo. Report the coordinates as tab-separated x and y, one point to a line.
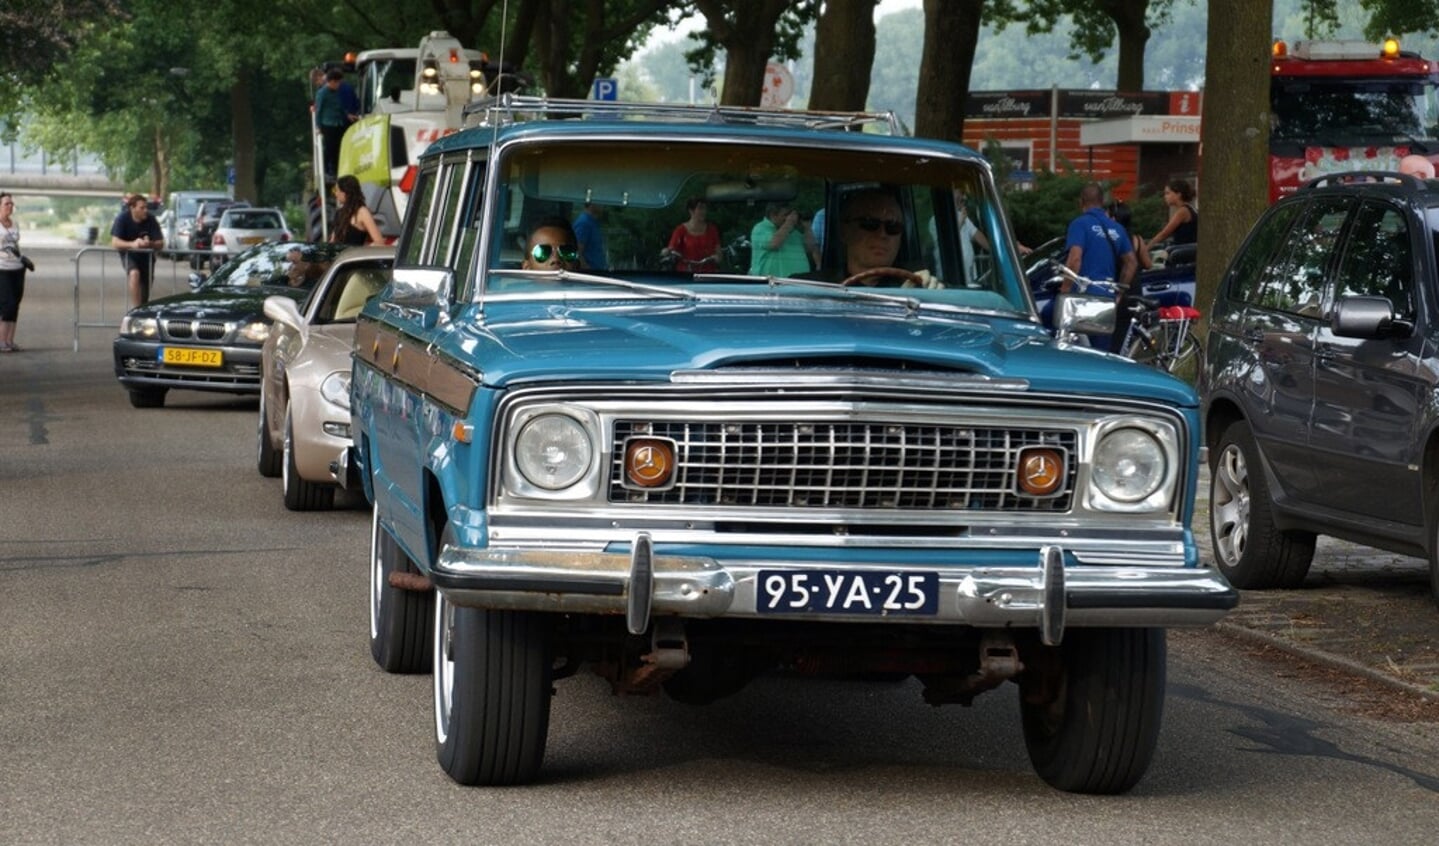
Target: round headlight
336	389
1129	465
553	451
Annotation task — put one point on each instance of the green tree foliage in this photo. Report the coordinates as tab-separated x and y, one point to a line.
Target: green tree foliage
1095	27
39	33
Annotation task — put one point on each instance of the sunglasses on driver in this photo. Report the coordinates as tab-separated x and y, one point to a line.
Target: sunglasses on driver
542	252
873	224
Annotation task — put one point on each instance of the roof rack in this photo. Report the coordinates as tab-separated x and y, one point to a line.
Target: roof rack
1356	177
515	108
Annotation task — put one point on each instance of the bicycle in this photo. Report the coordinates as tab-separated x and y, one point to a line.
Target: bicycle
1159	335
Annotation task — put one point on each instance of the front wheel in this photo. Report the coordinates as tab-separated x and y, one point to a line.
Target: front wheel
492	693
1092	725
147	397
1251	551
399	618
267	459
301	495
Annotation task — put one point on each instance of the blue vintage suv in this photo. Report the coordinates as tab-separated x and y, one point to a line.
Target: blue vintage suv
871	461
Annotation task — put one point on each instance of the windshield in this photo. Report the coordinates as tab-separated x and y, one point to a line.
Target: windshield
706	217
1336	112
286	265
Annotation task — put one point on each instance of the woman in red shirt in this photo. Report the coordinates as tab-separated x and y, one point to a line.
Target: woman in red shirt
695	243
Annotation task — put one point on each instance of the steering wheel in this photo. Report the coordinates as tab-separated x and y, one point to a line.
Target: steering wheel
887	272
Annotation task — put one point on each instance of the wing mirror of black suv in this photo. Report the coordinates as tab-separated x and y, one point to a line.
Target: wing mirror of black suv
1368	317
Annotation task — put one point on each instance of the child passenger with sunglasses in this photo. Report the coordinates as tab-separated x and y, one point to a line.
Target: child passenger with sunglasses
552	246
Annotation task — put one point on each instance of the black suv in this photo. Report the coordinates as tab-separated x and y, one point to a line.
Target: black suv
1320	405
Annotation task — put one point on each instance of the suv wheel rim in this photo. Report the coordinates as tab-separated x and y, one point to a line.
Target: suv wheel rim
1229	506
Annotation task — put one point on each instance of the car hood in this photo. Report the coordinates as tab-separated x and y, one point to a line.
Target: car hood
217	303
538	342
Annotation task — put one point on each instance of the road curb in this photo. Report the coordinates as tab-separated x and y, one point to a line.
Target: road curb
1326	659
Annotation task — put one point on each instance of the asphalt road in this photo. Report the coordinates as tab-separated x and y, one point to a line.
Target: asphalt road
182	660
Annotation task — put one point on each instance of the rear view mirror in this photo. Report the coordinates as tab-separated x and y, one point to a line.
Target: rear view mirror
1368	318
761	191
283	311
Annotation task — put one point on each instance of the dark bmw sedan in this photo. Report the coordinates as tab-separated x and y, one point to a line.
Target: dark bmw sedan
210	339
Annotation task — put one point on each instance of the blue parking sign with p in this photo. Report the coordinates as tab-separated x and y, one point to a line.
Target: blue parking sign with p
607	88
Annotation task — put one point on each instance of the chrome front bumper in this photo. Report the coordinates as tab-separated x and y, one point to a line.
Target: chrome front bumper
1048	596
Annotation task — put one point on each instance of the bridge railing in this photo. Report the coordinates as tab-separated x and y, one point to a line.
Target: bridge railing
102	293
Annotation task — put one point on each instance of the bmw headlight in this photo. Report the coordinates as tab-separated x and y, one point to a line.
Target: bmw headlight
1134	468
336	389
139	327
553	451
256	331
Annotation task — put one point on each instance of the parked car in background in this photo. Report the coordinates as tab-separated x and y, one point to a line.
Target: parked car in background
209	339
681	480
207	217
241	227
1320	406
178	217
303	434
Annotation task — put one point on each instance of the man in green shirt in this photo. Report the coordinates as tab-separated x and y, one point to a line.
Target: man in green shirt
782	244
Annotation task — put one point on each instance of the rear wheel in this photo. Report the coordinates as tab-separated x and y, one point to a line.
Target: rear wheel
1250	550
1093	725
400	619
147	397
492	692
301	495
268	459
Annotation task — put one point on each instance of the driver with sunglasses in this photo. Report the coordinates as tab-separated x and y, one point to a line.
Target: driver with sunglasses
552	246
871	230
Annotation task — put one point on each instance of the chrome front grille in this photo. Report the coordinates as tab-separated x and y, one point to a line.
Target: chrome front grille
861	465
201	330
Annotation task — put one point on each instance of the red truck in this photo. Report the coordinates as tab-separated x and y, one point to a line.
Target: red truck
1348	105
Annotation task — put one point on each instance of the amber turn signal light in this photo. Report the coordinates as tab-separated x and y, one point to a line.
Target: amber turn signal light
649	462
1041	470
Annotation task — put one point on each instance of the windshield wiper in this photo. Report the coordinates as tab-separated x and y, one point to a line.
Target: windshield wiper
596	279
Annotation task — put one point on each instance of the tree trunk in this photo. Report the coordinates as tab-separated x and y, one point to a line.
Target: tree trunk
746	31
242	128
843	55
1234	138
1128	16
951	34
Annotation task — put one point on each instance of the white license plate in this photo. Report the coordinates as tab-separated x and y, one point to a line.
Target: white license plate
880	592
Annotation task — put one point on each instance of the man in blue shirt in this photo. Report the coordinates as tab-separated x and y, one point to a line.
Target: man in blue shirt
1100	250
336	107
591	238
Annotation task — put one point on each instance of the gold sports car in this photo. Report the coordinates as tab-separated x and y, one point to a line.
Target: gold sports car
303	434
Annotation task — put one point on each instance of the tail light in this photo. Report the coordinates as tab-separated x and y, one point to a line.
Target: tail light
407	184
218	240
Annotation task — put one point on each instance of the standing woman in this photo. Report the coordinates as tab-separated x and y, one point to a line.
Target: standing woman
354	225
1183	225
12	274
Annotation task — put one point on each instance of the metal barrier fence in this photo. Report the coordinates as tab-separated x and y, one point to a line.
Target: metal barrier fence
95	305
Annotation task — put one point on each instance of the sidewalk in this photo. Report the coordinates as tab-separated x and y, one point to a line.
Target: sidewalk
1361	610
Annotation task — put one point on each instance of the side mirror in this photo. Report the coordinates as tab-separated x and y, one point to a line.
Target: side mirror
1082	314
420	293
1368	318
283	311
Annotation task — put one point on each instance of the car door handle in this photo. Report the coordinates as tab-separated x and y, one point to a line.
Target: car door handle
1254	335
1325	354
